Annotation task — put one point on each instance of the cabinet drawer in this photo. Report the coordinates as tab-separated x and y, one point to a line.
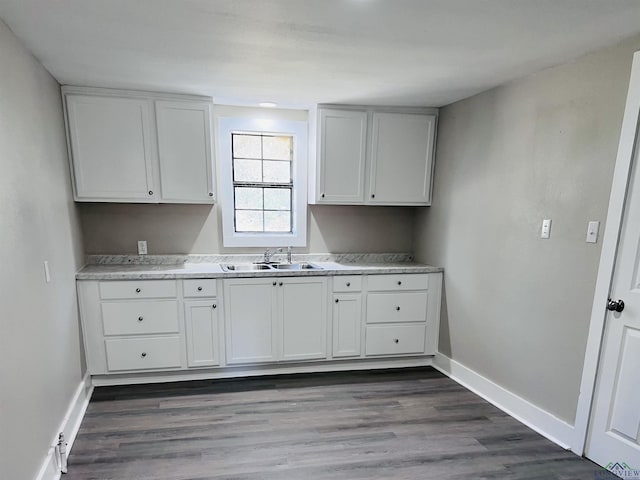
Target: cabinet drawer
347	283
200	288
132	318
396	307
143	353
138	289
414	281
394	339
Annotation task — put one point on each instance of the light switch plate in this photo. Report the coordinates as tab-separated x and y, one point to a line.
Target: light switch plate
546	228
142	247
592	232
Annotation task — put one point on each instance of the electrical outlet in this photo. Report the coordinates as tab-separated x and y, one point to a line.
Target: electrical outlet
592	232
546	228
142	247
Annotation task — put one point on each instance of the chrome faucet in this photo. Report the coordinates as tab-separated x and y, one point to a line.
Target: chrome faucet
267	255
281	250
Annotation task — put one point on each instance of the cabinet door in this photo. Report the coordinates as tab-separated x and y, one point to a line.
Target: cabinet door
341	156
184	151
401	159
201	321
304	318
250	320
347	319
111	148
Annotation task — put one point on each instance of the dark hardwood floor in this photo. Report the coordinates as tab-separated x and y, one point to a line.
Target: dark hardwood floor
412	424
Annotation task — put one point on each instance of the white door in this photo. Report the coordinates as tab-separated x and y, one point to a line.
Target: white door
250	320
347	323
614	431
201	321
401	158
111	148
184	151
304	318
342	145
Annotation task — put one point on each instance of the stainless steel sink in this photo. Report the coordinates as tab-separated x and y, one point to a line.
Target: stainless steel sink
296	266
245	267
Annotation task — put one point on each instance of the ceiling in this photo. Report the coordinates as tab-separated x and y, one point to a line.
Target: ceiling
301	52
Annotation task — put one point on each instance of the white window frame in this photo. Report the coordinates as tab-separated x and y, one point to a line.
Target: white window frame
299	132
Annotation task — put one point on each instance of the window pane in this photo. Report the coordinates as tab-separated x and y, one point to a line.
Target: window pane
247	170
277	221
277	199
277	172
246	146
249	221
249	198
276	148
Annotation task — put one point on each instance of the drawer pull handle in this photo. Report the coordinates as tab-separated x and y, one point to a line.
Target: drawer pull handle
199	289
397	309
214	306
399	282
337	300
140	318
348	284
143	354
138	290
395	340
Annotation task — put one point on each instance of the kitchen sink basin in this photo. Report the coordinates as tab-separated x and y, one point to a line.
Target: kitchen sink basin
260	267
245	267
296	266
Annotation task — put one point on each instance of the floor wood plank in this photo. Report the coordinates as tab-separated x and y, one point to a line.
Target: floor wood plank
392	424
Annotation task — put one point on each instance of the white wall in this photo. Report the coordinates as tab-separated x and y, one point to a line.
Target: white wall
516	307
40	343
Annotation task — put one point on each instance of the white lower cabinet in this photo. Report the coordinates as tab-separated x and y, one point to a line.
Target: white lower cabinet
138	326
201	329
347	321
275	319
250	317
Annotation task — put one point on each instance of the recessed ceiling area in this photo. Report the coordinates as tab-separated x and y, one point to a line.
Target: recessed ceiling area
302	52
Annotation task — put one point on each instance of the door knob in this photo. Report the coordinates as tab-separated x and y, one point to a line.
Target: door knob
615	305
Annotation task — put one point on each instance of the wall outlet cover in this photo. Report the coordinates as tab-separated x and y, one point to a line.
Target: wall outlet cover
142	247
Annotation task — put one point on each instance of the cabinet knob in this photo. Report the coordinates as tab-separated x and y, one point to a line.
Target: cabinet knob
150	192
348	284
140	318
373	195
395	340
211	194
214	306
337	300
280	284
143	354
397	309
399	282
322	195
199	289
274	284
138	290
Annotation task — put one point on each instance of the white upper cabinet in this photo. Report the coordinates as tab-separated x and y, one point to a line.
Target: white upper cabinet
342	151
184	151
401	158
374	156
111	145
139	147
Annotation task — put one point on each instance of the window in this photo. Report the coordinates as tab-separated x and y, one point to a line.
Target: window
262	183
263	166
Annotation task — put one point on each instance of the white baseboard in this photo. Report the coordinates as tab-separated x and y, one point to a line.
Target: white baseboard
70	425
539	420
